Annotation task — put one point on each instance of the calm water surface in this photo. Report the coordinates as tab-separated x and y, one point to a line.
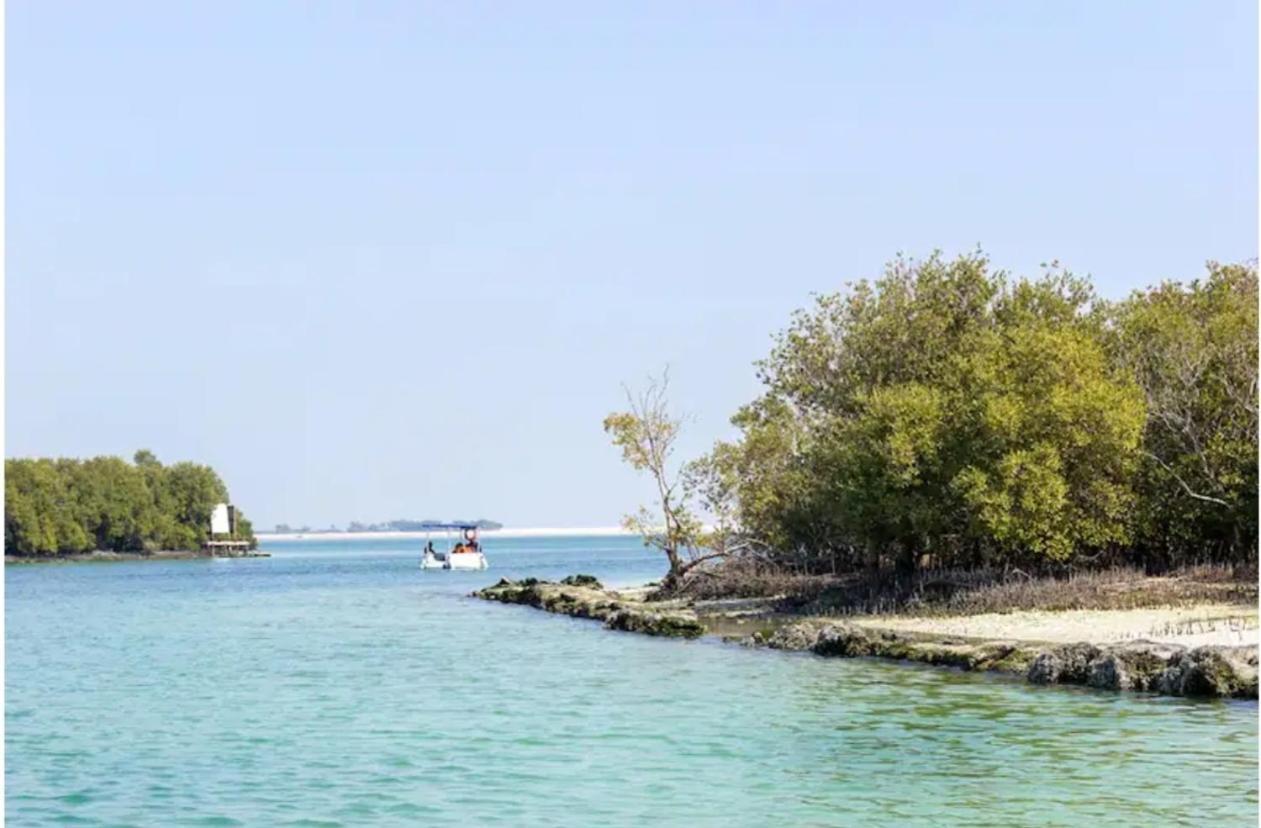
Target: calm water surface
336	684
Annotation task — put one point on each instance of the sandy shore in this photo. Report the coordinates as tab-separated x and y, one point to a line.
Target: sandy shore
1206	651
506	532
1221	624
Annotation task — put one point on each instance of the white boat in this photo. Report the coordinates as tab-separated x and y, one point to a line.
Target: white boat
463	550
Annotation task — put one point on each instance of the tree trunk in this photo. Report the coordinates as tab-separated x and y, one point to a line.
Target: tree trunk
872	557
907	558
675	576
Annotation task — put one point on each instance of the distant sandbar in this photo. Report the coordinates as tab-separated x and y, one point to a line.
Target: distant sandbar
568	532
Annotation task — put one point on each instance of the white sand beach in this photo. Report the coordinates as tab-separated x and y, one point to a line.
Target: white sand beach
1224	624
506	532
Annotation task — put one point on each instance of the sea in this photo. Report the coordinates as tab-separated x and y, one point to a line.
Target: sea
336	683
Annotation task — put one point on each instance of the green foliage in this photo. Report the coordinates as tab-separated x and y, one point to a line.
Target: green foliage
906	327
191	492
245	529
1193	351
39	511
66	506
1054	436
949	411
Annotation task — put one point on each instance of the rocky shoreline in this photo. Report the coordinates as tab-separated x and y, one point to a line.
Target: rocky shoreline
1166	669
159	555
1210	671
582	596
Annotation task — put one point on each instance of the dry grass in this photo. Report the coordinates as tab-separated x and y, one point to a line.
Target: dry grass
751	579
966	593
1234	624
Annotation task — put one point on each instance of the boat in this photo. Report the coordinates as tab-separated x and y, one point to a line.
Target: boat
463	548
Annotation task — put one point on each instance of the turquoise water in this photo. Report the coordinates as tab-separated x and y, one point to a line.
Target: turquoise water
336	684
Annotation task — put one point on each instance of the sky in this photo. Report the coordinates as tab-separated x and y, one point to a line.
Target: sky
383	260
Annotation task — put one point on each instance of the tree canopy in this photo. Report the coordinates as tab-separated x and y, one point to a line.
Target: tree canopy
1193	351
67	506
951	414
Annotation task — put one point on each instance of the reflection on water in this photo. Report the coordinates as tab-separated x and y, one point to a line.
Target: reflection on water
336	682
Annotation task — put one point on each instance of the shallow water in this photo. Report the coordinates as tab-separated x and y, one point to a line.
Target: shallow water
335	683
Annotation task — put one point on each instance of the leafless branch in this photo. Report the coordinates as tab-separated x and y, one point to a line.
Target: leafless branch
1190	492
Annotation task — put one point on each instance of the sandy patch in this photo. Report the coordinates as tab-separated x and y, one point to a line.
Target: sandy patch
1223	624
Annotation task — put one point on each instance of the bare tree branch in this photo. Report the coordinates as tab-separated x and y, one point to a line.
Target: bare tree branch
1190	492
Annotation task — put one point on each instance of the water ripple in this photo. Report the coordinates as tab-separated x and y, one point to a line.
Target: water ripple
337	687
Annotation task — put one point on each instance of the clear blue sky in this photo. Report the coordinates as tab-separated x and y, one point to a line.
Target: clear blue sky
395	259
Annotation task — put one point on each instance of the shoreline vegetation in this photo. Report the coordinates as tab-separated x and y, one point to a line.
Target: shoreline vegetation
100	555
1197	650
950	417
952	465
947	416
105	508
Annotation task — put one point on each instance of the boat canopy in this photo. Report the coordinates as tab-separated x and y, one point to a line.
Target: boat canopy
429	527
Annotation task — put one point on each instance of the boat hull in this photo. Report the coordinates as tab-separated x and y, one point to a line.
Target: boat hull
468	561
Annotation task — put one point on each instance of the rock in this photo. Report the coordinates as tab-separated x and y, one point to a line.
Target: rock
1212	672
926	652
1045	669
1243	660
577	598
1003	657
847	640
1210	675
1109	673
1145	665
508	592
589	581
792	637
844	640
1135	666
1065	664
1172	679
670	624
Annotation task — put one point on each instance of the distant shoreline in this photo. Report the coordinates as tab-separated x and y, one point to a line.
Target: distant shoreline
534	532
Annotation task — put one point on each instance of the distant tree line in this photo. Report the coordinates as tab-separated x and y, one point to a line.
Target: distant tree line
66	506
949	415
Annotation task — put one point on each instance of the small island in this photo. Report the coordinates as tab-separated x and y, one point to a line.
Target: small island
105	508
